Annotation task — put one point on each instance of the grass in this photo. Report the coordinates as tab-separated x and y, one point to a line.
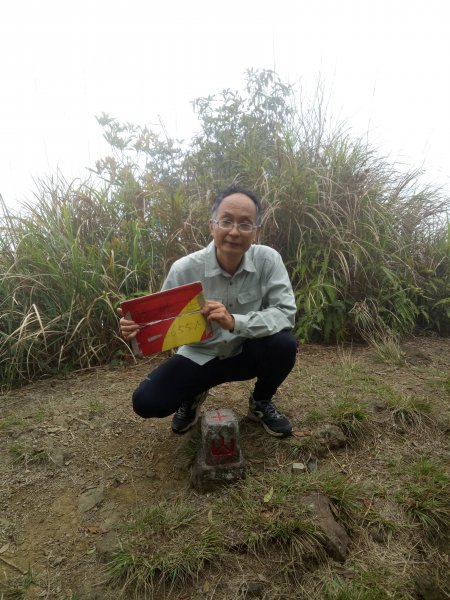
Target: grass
425	495
350	415
366	245
96	407
410	411
22	453
389	351
389	492
164	518
160	550
366	586
12	422
170	543
382	528
17	590
145	572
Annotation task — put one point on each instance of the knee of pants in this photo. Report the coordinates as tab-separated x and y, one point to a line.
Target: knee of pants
137	400
284	343
144	407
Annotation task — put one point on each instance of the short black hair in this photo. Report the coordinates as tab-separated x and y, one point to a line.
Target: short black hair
234	189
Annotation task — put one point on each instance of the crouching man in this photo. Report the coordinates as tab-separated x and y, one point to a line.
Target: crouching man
251	308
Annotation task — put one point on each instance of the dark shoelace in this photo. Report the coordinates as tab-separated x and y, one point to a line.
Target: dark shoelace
273	412
184	410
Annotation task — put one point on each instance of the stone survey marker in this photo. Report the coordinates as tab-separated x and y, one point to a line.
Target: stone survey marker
220	457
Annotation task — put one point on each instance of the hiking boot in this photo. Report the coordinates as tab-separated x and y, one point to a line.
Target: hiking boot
273	421
188	413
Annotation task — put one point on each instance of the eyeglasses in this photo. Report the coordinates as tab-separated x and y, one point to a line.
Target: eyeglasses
228	225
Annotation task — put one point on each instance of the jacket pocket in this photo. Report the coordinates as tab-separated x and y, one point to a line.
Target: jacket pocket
252	297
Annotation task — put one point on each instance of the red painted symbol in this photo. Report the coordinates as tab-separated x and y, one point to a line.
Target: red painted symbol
222	449
219	416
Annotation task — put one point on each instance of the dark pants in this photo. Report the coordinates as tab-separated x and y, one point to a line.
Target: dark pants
270	359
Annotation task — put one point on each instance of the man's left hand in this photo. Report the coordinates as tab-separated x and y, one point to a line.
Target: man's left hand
216	311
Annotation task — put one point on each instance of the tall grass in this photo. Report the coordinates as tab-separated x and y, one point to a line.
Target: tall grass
67	262
367	248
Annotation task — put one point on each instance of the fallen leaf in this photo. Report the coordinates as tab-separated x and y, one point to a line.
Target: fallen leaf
210	517
304	433
268	496
206	587
256	461
4	548
95	530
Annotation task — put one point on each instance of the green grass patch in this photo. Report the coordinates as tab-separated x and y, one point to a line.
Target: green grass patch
164	518
141	569
364	586
168	544
23	453
96	407
410	411
12	422
425	495
381	527
165	545
350	415
315	417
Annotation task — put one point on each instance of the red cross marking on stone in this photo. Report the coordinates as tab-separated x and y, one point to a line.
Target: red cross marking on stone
219	416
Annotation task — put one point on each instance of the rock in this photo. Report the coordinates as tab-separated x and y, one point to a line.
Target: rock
328	437
107	545
90	498
298	468
56	455
152	475
113	517
312	464
253	589
335	538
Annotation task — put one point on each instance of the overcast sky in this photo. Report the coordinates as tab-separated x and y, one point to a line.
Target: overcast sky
385	65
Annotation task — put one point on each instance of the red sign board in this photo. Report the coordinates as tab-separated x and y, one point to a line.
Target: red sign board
168	319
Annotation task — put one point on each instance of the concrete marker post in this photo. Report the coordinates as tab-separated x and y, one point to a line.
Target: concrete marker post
220	457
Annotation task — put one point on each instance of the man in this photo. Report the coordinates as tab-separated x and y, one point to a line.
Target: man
251	308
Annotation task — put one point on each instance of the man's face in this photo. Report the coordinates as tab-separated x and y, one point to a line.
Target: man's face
231	245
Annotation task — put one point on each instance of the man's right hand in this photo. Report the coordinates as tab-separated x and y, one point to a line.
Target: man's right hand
128	329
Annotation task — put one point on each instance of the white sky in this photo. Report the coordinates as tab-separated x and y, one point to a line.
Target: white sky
385	65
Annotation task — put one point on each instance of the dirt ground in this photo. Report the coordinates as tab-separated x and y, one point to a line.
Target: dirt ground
76	461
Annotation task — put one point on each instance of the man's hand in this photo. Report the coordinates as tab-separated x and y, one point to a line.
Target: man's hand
128	329
216	311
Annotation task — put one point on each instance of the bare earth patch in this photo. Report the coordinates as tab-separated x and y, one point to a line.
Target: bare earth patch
77	464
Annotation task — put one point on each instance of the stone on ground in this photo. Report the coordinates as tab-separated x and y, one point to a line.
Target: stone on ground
335	538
